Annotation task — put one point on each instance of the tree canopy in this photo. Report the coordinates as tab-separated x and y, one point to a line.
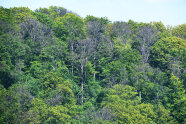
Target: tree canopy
57	67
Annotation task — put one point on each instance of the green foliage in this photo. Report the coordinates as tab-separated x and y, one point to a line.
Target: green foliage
38	69
3	93
179	31
164	50
53	11
51	81
69	26
102	20
21	13
56	67
12	52
114	72
163	115
44	18
125	104
6	16
159	26
177	95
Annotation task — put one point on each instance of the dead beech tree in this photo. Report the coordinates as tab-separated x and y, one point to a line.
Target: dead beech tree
39	35
95	35
146	37
98	42
82	53
82	60
121	30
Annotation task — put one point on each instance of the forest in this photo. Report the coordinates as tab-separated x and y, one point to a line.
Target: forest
59	68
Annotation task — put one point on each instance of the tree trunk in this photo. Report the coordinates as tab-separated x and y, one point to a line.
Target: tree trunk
72	70
82	84
140	95
94	69
82	97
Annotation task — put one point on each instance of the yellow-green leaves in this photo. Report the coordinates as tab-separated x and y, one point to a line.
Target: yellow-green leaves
21	14
164	51
178	98
125	104
179	31
70	27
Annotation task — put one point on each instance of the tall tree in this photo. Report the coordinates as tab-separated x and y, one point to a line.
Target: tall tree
146	37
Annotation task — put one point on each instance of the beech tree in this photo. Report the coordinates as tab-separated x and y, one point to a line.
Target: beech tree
146	37
57	67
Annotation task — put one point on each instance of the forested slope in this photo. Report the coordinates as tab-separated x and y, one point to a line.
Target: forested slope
56	67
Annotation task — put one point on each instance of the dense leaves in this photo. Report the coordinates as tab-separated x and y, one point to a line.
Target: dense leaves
56	67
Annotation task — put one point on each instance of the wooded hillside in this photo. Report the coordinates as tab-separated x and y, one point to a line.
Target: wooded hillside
56	67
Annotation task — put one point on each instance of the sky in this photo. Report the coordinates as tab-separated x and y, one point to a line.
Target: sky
170	12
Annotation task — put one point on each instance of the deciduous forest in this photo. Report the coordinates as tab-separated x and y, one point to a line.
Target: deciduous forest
57	67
